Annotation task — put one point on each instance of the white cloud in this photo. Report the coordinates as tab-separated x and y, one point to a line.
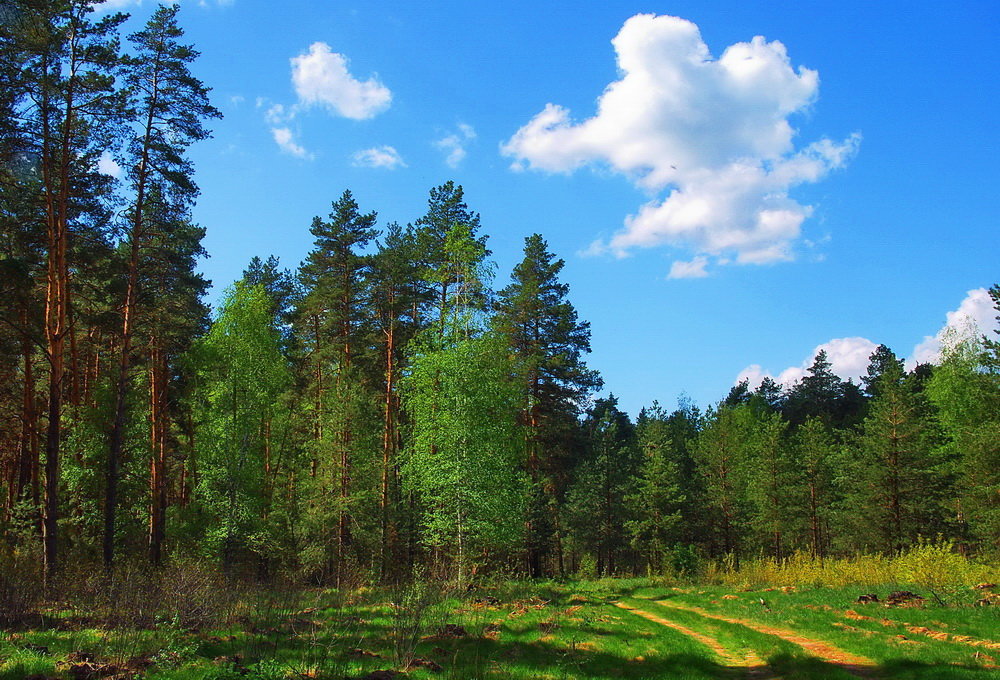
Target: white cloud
286	140
976	314
379	157
107	165
754	374
321	78
713	133
695	269
454	144
848	358
277	114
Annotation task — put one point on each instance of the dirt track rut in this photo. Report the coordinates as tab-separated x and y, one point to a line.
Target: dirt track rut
746	659
853	663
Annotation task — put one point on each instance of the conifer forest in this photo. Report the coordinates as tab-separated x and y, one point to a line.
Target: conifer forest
394	409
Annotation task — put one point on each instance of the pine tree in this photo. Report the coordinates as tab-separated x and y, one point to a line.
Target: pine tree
394	298
880	361
452	256
724	454
893	480
814	490
22	267
169	106
172	315
334	278
68	107
283	289
656	503
816	394
770	479
771	392
543	331
597	511
738	394
683	427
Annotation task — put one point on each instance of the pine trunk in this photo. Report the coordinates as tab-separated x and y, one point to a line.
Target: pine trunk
26	482
388	441
158	453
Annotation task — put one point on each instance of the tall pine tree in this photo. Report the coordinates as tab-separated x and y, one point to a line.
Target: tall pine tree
550	342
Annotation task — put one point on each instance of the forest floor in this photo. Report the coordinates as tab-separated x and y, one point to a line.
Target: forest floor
577	630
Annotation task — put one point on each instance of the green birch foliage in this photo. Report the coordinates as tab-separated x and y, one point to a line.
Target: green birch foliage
965	389
465	445
241	374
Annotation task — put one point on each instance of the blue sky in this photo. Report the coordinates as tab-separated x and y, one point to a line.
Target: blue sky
725	204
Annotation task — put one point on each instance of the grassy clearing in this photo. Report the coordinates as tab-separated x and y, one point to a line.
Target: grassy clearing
518	631
923	641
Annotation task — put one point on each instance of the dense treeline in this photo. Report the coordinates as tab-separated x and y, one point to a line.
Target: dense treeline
385	410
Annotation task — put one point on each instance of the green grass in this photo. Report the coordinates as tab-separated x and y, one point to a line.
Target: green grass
824	614
532	631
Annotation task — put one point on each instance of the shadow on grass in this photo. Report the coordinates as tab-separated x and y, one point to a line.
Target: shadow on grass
329	647
476	657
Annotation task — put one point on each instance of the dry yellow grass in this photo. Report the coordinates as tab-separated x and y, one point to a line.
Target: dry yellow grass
933	564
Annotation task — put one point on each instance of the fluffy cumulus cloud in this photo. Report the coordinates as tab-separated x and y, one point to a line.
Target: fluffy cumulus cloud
976	315
379	157
710	137
286	142
453	145
849	357
321	78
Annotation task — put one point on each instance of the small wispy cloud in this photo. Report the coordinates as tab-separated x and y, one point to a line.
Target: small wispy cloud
285	139
695	269
277	114
107	165
454	144
378	157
